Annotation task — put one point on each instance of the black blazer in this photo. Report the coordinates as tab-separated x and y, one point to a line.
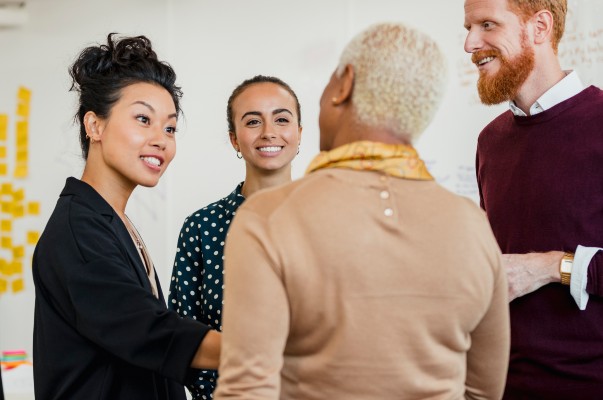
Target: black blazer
99	332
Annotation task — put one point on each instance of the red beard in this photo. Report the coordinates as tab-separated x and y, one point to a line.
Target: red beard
504	85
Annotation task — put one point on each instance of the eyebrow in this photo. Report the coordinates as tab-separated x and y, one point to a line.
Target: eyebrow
150	107
277	111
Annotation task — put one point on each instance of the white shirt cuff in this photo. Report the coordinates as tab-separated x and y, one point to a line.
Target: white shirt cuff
580	274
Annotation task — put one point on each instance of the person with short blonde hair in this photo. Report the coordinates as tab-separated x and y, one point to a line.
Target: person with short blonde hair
366	279
388	91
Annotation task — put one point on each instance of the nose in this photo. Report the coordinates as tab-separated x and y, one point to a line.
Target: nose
473	41
268	131
159	139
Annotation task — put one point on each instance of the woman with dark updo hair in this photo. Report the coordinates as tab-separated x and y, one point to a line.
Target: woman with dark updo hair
102	329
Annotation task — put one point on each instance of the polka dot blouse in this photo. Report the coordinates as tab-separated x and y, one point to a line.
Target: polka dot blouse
197	277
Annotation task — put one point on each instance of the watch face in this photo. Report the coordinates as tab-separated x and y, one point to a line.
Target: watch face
566	263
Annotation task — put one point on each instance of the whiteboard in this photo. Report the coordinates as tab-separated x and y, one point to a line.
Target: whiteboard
213	46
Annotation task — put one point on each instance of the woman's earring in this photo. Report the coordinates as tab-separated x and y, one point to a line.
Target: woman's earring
334	101
297	150
239	154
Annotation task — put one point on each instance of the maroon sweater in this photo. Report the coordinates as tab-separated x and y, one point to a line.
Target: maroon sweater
541	184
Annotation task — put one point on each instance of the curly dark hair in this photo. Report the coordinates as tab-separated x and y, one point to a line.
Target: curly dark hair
101	72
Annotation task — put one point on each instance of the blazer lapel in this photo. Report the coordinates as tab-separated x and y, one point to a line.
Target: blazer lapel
95	200
135	260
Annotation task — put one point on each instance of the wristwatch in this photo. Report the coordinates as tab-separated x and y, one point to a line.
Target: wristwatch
565	269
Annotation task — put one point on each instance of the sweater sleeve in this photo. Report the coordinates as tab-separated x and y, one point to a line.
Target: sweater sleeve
594	286
255	316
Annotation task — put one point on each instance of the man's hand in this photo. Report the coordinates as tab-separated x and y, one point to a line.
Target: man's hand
529	272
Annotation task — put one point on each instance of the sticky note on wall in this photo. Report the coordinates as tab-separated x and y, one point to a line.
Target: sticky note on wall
18	210
17	285
6	188
24	94
21	137
6	242
33	208
21	171
19	252
33	237
6	207
19	195
3	126
6	225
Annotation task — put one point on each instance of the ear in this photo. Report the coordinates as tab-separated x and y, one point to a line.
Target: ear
345	85
543	26
234	141
94	126
299	135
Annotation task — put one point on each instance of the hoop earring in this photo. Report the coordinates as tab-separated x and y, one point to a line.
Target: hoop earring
297	150
239	155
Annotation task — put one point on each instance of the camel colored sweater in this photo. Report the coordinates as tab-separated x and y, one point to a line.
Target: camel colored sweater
353	285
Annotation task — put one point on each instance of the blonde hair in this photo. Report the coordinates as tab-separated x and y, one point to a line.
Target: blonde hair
558	8
399	78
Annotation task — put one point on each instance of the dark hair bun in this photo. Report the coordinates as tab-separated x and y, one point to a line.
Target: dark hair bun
100	73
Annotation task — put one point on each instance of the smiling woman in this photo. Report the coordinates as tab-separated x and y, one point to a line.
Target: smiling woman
264	124
98	299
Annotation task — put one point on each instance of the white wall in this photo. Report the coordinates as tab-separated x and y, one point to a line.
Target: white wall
213	46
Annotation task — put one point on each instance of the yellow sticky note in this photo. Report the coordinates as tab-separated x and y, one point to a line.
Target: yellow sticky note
18	210
3	169
16	268
6	207
3	285
21	136
24	94
20	171
3	126
22	128
3	267
6	242
6	188
33	208
19	252
33	237
2	151
19	194
17	285
22	154
6	225
23	110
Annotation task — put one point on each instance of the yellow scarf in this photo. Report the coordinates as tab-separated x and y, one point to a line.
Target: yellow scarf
397	160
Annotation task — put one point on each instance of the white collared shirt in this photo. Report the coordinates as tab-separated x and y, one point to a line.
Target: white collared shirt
567	87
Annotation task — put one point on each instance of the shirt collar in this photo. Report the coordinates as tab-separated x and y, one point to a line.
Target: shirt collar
567	87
